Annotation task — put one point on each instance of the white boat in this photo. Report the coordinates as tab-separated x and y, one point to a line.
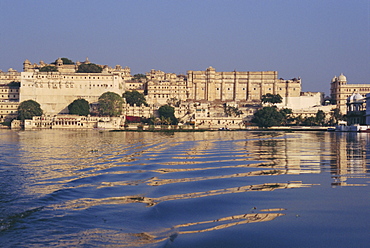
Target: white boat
341	127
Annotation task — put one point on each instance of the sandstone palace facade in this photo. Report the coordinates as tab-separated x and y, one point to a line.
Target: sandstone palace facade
210	85
56	90
205	91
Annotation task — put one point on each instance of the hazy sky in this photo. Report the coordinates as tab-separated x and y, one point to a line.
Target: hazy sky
314	39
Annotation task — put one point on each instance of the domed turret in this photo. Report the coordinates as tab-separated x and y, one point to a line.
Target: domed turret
26	65
355	97
27	62
59	62
358	97
342	78
334	79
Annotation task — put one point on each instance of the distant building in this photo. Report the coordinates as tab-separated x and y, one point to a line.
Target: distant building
73	122
356	109
9	94
340	91
164	87
303	101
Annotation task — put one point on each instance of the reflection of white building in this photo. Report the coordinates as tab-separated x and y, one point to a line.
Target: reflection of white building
367	109
350	157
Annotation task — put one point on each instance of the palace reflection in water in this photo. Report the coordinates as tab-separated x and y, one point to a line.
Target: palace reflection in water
349	154
139	189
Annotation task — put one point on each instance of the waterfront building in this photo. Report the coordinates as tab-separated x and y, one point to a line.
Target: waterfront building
73	122
9	94
54	91
306	105
356	109
8	111
163	88
137	85
210	85
198	97
304	101
340	91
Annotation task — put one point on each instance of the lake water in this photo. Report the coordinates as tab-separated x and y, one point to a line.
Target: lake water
202	189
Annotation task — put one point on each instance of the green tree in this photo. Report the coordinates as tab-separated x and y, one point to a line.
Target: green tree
268	117
48	68
287	119
134	97
232	111
14	84
66	61
335	116
298	120
166	111
309	121
89	68
29	109
271	98
174	102
320	117
79	107
139	77
110	104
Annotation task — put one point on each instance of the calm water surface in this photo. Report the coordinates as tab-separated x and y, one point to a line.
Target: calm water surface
210	189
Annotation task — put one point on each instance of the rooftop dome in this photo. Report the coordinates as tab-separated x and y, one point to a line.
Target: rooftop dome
342	77
358	97
334	79
355	97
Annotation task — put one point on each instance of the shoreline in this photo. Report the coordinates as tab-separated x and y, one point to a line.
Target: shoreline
147	129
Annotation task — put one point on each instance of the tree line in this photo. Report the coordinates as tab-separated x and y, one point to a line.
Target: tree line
269	116
110	104
82	68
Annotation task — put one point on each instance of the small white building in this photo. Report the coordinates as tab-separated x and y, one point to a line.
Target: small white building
74	122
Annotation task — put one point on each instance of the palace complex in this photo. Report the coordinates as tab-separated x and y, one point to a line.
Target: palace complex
340	91
199	96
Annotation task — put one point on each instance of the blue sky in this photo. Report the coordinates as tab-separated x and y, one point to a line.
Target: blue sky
314	40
